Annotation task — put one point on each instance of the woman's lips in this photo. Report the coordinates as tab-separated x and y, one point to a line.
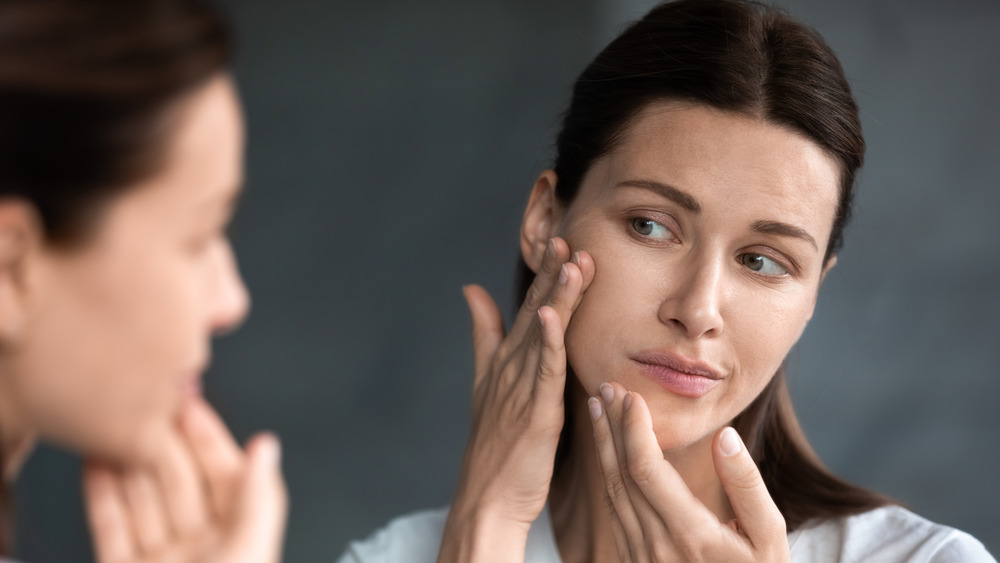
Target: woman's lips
677	375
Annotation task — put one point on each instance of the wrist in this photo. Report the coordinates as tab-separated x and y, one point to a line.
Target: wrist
479	534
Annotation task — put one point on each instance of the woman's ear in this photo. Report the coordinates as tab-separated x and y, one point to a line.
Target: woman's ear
19	235
541	217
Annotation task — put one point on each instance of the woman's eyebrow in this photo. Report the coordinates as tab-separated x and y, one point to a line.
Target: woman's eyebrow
684	199
783	229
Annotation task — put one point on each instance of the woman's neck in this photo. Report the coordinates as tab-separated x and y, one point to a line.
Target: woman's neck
15	453
580	518
16	440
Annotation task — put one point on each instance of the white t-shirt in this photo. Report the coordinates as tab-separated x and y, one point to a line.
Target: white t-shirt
884	535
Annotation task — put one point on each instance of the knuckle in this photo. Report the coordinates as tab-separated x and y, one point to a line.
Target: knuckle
747	478
503	352
533	299
601	433
549	367
615	486
609	504
641	468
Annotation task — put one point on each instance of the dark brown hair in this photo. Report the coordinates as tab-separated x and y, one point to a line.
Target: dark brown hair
86	91
752	59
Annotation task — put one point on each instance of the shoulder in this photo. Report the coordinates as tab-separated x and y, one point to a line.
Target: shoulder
413	538
416	538
890	533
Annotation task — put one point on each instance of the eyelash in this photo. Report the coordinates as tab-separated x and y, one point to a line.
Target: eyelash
781	263
635	220
785	264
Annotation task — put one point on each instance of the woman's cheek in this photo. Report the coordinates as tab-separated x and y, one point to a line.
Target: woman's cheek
578	346
595	333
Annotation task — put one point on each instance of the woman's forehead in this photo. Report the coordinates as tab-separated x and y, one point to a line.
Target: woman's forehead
702	150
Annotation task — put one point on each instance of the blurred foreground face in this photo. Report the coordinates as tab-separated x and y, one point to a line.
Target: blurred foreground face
119	330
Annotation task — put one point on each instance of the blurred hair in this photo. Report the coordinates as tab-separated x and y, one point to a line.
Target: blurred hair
87	92
752	59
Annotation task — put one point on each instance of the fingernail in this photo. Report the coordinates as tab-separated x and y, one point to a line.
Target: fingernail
576	258
729	442
608	392
563	275
628	400
595	408
541	318
552	248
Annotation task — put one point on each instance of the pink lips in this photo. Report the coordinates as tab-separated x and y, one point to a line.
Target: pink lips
677	375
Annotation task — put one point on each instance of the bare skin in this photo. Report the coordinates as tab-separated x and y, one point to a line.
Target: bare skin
103	346
707	231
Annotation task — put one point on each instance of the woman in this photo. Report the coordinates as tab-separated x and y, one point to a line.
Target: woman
637	410
120	162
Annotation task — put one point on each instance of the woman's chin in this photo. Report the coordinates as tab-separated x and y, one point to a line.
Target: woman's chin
137	445
678	435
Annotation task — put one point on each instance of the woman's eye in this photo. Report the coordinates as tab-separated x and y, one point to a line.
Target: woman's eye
651	229
762	264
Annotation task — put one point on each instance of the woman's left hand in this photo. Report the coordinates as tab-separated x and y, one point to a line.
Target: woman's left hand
655	516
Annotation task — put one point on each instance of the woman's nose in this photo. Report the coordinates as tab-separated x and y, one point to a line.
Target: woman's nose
230	299
693	302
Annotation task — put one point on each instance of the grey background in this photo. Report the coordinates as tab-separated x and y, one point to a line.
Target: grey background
392	146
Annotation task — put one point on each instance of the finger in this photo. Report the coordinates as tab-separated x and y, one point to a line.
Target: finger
659	543
567	292
556	254
487	328
149	522
259	527
551	380
615	489
756	514
217	454
660	484
585	262
107	517
181	486
545	353
617	528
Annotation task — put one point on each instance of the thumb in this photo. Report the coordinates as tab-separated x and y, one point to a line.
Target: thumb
259	525
756	514
487	327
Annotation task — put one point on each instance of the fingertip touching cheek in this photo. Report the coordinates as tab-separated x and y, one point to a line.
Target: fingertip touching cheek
708	231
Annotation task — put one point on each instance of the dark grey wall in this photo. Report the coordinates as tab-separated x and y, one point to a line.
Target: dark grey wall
392	146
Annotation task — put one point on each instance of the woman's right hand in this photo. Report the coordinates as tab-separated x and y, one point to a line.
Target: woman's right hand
518	411
204	499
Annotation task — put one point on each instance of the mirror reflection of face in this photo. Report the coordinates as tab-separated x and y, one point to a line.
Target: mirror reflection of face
708	230
120	328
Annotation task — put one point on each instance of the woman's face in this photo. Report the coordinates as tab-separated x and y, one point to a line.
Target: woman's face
117	332
708	231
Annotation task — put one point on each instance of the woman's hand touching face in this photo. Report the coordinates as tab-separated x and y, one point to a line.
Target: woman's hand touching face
517	410
655	517
203	499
